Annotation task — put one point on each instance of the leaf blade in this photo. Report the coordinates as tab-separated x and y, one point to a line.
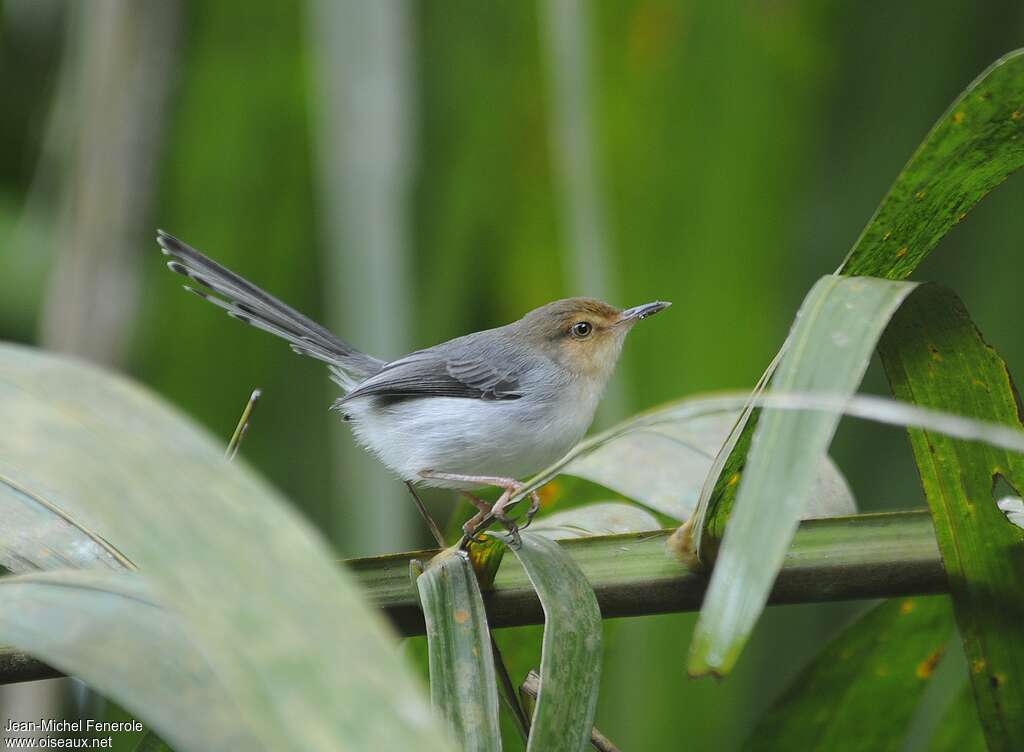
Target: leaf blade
828	351
463	682
570	667
934	356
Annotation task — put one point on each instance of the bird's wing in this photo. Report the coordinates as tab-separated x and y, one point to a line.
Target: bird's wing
436	373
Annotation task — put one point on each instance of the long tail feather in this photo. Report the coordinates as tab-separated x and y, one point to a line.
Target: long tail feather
247	302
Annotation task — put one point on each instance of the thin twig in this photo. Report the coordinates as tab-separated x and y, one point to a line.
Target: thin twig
434	529
243	425
508	691
531	688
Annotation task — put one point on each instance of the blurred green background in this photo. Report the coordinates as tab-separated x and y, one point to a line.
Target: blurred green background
410	171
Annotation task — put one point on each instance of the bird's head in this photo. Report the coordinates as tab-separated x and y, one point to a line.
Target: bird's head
584	335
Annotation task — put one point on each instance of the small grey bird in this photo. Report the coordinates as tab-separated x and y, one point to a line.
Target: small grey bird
480	410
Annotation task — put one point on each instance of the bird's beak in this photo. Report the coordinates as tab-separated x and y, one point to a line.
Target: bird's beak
643	311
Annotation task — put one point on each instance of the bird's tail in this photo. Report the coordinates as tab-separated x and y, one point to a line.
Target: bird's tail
247	302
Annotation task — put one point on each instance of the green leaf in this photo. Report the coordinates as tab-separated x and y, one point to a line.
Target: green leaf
935	357
862	690
463	684
663	464
570	666
827	352
306	661
974	147
597	518
959	730
105	628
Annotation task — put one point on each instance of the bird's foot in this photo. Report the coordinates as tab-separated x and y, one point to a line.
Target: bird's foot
496	511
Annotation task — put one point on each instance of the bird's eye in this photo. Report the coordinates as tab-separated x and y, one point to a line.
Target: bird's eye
581	329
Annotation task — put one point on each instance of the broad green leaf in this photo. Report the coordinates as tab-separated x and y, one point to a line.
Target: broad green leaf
935	357
959	730
663	465
105	628
306	661
827	352
975	146
463	684
597	518
570	667
862	690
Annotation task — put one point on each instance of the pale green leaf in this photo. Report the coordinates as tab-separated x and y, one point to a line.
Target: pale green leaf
307	662
597	518
827	352
570	667
463	684
105	628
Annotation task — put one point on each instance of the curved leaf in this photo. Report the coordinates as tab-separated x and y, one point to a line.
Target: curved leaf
862	690
306	661
827	352
463	683
934	356
105	628
975	146
664	464
597	518
570	666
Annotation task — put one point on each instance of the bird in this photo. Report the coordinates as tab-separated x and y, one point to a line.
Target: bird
483	409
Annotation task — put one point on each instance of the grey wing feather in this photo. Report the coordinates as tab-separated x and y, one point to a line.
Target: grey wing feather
247	302
431	373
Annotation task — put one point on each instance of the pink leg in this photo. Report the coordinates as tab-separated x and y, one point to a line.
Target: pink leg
510	485
485	509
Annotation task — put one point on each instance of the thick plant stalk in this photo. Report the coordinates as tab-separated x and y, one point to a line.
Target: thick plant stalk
844	558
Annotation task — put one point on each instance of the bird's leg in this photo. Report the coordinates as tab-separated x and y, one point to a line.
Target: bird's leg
511	486
484	509
431	524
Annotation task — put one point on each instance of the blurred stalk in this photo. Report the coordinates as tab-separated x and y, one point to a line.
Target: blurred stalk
120	62
364	155
589	267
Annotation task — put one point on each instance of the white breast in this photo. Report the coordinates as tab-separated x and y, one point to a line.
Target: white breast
507	438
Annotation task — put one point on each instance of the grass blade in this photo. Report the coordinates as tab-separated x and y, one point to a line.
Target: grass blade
105	628
829	349
463	684
570	668
877	669
934	356
221	549
152	743
976	144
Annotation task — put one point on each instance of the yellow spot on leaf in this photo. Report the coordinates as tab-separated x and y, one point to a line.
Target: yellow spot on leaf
734	479
902	252
926	668
919	195
958	117
461	616
887	235
1015	115
907	606
978	666
549	493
